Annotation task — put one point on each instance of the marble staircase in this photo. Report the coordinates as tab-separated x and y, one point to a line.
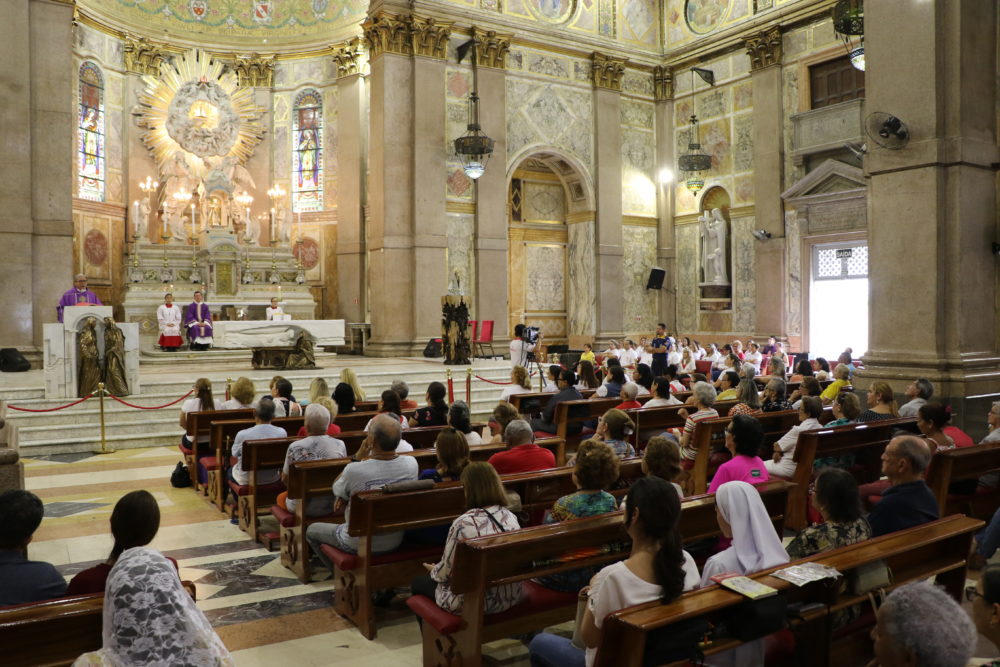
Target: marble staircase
77	429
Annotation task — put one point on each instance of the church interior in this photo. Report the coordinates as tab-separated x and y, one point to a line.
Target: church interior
328	175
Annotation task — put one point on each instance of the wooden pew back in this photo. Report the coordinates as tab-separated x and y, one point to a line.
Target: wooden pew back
958	464
54	632
936	548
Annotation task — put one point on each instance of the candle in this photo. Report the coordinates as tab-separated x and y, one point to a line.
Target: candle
194	222
135	217
299	232
164	224
273	229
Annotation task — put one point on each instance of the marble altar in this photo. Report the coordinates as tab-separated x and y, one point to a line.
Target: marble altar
60	355
241	334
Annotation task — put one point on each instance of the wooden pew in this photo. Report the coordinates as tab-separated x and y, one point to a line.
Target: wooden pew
223	434
374	513
484	562
312	479
667	417
710	434
259	455
199	424
356	421
965	463
868	439
935	549
53	632
530	404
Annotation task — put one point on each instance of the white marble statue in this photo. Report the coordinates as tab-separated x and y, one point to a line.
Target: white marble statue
713	247
143	221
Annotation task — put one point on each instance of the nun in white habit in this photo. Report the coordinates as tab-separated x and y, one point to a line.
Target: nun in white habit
150	620
756	546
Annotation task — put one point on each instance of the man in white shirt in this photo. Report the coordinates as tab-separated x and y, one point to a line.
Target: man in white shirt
918	392
262	430
627	357
520	349
274	309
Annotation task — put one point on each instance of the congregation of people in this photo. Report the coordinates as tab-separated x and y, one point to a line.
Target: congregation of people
658	564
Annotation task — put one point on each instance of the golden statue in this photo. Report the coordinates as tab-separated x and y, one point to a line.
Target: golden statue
115	381
89	375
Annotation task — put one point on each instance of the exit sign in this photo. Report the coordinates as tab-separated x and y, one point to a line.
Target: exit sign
845	253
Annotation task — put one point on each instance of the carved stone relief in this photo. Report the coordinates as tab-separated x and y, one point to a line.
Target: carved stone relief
687	278
639	245
793	238
744	280
582	306
545	289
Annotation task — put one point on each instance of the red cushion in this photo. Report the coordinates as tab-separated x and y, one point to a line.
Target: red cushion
779	648
346	561
186	451
986	490
284	517
244	489
535	598
209	463
543	434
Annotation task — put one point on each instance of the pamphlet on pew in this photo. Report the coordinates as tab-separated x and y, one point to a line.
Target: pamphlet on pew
806	573
744	585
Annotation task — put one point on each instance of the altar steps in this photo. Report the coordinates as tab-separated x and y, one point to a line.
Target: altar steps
77	429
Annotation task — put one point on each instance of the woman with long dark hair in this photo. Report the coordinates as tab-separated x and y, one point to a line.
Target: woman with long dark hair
435	410
657	569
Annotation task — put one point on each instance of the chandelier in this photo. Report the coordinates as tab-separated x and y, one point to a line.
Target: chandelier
848	23
474	147
695	161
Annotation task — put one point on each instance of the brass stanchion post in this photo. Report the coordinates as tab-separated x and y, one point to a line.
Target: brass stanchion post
468	387
104	446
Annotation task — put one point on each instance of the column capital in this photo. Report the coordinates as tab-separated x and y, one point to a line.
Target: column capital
663	83
348	56
764	48
607	71
143	56
429	37
491	48
387	33
254	70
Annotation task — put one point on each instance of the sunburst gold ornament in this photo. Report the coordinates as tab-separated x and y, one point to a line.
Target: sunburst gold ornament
196	107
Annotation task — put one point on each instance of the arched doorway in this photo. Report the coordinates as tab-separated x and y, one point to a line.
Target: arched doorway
551	247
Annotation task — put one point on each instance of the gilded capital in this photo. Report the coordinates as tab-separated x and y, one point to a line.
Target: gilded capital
387	33
142	56
663	83
429	37
254	70
606	71
348	57
764	48
491	48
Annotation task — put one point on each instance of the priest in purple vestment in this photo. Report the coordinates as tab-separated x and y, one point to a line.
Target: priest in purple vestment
198	322
78	294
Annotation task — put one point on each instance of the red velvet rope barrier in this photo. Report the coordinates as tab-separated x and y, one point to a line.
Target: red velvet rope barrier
153	407
480	377
61	407
451	390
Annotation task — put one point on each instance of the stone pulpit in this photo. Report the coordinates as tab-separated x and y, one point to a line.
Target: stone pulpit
61	352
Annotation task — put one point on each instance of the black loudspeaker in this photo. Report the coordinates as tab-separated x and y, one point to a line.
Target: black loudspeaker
656	276
12	361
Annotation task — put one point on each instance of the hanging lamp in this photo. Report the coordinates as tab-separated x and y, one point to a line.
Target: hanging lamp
695	161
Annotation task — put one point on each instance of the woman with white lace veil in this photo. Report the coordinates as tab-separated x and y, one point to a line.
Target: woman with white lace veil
150	620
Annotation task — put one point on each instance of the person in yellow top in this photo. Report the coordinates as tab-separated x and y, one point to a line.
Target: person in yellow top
841	376
588	353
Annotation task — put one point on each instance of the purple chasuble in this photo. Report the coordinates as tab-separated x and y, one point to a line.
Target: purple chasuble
197	312
73	296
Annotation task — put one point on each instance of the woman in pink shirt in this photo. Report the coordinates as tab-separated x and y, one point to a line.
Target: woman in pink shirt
744	436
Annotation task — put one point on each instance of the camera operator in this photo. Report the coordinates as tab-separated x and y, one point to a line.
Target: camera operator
521	350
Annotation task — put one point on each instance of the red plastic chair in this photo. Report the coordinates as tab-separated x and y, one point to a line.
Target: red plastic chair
474	324
705	367
485	339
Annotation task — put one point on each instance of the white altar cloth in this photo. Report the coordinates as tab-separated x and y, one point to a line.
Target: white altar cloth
243	334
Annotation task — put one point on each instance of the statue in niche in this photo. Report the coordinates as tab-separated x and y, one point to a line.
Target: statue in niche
89	366
115	381
143	226
713	247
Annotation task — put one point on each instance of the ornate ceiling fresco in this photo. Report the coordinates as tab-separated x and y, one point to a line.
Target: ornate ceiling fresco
237	23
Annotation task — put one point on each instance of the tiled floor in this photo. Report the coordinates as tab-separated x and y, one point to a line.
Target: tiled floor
260	610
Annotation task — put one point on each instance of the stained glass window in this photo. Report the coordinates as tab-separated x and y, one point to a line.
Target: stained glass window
307	152
90	165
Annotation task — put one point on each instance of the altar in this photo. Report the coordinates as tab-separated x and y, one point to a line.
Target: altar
239	335
61	353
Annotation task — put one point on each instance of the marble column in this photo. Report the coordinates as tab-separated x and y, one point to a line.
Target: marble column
430	221
765	52
490	244
15	181
607	74
932	204
352	123
666	251
390	186
52	122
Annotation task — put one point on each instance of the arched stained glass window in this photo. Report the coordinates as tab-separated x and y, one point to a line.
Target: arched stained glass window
90	163
307	152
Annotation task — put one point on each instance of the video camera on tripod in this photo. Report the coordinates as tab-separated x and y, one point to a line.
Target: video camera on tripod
531	335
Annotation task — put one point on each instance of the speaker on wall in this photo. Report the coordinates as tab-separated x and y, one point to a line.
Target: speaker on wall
656	276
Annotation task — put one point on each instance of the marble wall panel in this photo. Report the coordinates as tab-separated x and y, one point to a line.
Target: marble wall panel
790	103
744	279
637	22
546	114
460	252
638	186
543	202
549	65
582	297
637	113
639	244
687	278
637	83
545	288
793	238
743	142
